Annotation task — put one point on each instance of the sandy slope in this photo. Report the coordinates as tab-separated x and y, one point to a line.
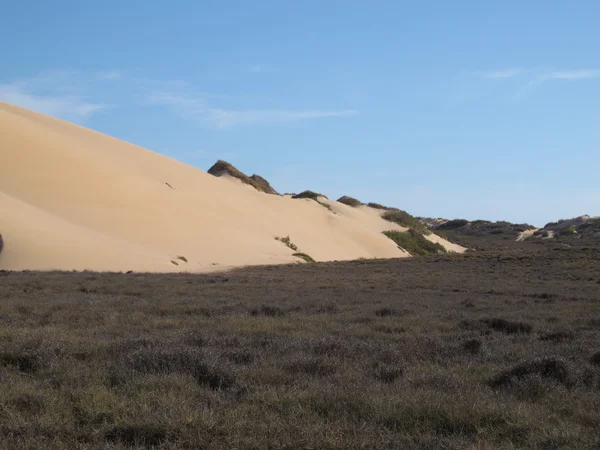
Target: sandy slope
72	198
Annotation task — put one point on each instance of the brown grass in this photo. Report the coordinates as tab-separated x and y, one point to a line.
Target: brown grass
484	350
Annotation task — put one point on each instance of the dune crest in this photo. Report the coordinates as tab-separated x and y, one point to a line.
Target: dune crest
74	199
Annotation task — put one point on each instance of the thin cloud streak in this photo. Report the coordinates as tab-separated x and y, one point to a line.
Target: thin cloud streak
199	110
504	73
67	107
572	75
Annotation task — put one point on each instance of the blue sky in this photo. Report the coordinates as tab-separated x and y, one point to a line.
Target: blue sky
448	109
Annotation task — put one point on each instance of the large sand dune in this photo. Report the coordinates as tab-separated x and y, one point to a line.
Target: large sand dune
72	198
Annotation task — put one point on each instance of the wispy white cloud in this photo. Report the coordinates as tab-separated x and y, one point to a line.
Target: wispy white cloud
503	73
68	107
56	93
571	75
257	68
110	75
199	110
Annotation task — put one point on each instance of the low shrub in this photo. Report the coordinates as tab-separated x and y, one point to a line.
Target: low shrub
309	194
316	367
188	361
379	206
568	231
404	219
414	242
453	224
350	201
473	346
257	182
551	369
269	311
508	327
145	435
385	312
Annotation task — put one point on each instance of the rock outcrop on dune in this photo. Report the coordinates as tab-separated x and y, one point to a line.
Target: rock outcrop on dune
76	199
221	168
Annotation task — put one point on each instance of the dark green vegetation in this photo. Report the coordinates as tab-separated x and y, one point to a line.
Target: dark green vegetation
582	230
1	243
404	219
414	242
488	350
457	229
304	256
379	206
256	181
313	196
309	194
350	201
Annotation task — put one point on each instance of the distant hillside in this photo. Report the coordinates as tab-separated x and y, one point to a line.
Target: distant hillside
582	227
477	234
221	168
477	227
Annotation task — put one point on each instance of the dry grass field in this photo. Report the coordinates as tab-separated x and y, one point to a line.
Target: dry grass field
484	350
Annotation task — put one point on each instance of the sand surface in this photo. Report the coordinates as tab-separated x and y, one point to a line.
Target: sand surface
74	199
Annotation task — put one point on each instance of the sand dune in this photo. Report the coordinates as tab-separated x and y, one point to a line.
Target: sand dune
72	198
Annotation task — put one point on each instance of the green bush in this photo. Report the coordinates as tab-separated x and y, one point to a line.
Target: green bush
568	231
309	194
379	206
256	181
350	201
414	242
404	219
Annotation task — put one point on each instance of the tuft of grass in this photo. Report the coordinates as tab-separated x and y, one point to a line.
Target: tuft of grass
188	361
551	369
414	242
269	311
312	366
350	201
404	219
1	243
304	256
473	346
25	361
287	241
507	326
385	312
557	336
142	435
387	373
